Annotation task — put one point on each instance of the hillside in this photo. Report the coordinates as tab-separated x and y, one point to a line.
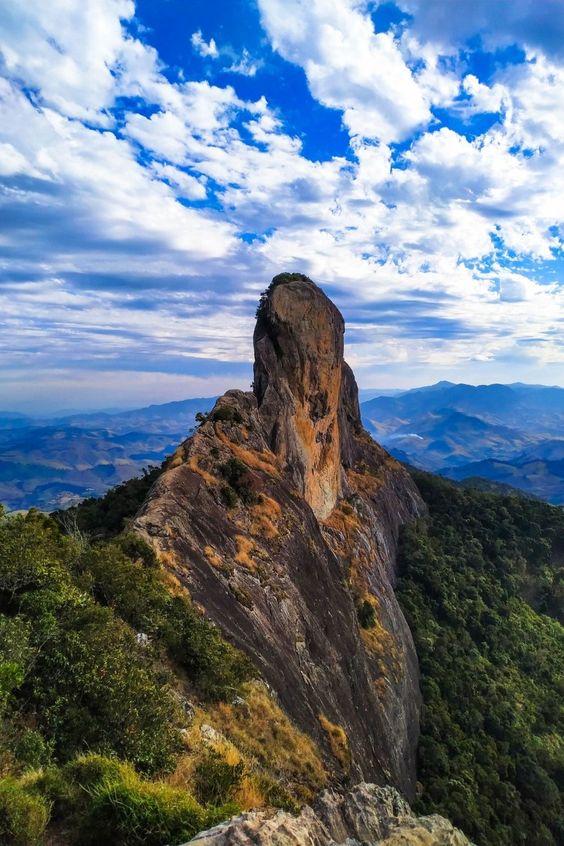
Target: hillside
482	585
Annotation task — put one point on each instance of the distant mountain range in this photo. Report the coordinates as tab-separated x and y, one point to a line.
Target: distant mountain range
507	434
511	434
54	463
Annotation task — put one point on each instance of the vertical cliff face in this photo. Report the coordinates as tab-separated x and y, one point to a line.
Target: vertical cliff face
298	343
280	516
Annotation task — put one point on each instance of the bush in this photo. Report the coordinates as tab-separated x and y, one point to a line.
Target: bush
32	750
107	516
23	815
144	813
216	780
226	414
238	479
366	615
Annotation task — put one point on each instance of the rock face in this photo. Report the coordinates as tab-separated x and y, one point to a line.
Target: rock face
298	344
367	816
280	515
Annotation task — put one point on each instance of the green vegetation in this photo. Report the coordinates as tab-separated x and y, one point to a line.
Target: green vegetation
225	414
108	515
89	633
280	279
482	586
366	614
238	483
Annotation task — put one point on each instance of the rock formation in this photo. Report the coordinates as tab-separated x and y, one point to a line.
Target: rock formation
367	816
280	515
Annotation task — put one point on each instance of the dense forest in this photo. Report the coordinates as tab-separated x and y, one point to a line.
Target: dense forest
482	586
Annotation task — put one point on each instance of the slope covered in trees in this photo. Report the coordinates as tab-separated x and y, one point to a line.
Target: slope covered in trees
482	586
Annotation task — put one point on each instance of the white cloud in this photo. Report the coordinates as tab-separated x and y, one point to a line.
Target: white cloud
537	25
110	261
348	66
67	51
245	65
484	98
207	49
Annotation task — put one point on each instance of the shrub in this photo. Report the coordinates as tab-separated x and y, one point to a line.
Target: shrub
226	414
238	479
107	516
280	279
93	687
366	615
142	812
31	749
23	815
216	780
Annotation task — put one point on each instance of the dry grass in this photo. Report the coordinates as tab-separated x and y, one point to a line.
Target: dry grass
280	764
194	464
245	547
338	742
213	557
265	514
343	518
263	732
265	460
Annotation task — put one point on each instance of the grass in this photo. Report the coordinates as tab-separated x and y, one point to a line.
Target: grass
338	742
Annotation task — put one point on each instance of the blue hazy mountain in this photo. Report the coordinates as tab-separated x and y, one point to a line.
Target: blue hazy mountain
511	434
53	463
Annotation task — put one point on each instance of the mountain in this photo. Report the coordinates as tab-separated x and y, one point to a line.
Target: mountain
227	647
512	434
56	463
540	478
53	463
284	518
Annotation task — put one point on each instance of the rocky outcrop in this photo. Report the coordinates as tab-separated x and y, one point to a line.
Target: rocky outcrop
367	816
280	515
298	343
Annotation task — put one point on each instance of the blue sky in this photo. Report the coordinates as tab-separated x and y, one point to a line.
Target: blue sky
160	161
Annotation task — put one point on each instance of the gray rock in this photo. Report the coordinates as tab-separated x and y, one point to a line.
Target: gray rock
366	816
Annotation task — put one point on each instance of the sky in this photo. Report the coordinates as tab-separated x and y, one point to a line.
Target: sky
161	160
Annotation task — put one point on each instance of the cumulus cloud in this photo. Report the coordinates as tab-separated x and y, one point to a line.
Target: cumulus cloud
529	23
348	65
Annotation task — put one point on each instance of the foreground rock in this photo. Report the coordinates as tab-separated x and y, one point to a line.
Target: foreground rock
367	816
281	516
